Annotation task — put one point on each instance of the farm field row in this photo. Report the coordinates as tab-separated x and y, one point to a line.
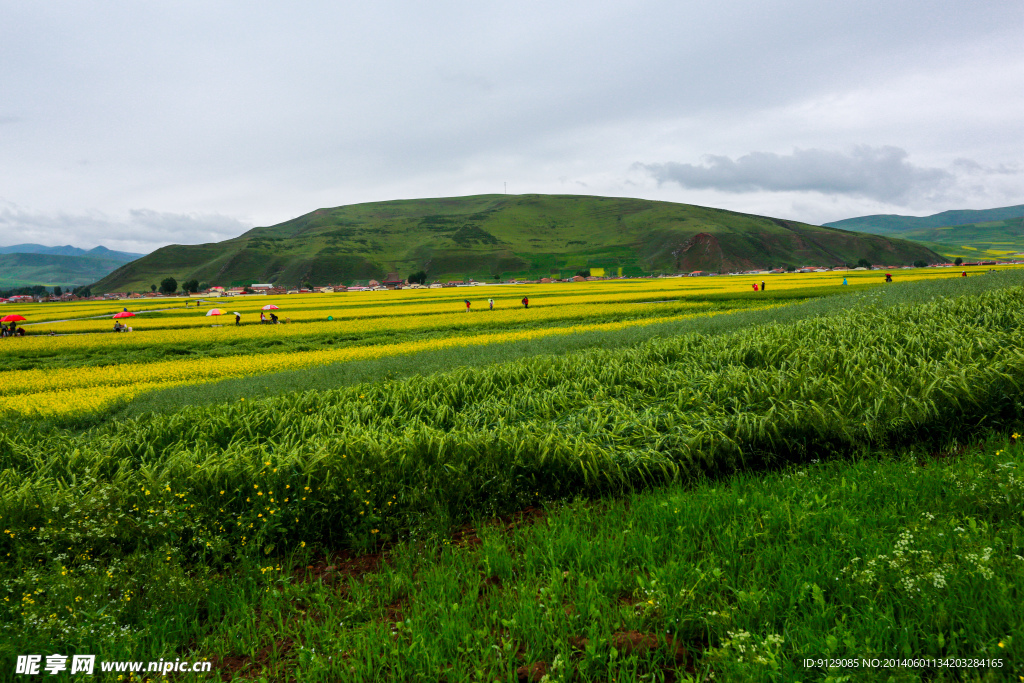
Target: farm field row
83	389
261	490
388	315
350	305
72	374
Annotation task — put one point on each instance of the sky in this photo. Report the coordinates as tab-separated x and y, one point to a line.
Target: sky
135	125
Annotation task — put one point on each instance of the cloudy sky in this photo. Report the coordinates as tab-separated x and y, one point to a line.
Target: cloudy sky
138	124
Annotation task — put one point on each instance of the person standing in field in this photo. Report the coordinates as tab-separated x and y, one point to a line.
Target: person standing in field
844	281
467	305
526	302
963	274
263	318
888	277
762	285
754	286
238	320
490	302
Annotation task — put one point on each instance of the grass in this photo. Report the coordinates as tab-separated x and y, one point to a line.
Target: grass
884	555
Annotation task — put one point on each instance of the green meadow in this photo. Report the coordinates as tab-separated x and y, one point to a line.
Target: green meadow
829	490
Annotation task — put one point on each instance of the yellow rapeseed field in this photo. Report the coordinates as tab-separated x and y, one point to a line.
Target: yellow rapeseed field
348	305
74	390
555	309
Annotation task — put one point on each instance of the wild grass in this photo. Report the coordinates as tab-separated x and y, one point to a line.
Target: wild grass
881	556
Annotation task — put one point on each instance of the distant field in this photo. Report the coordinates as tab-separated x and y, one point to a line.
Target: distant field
992	239
87	367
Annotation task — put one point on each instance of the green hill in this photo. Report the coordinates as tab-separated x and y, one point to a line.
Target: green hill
894	224
990	233
22	270
509	236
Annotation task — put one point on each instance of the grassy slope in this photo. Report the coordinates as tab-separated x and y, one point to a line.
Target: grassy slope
990	233
535	235
990	239
18	270
893	224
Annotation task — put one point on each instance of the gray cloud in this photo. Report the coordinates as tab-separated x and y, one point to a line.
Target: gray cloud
204	110
141	230
880	173
974	168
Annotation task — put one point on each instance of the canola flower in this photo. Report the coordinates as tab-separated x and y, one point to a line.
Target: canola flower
449	320
429	301
382	311
76	390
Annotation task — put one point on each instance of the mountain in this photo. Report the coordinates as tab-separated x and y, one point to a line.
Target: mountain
509	236
893	224
989	233
22	270
68	250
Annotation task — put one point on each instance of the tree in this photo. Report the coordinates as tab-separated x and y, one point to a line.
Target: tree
583	273
418	278
307	286
57	291
204	286
190	286
919	263
959	261
864	263
152	288
84	292
168	285
790	268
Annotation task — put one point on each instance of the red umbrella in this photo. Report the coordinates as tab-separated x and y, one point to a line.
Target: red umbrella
12	318
270	307
124	314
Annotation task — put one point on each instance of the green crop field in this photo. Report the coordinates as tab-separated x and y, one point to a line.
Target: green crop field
828	489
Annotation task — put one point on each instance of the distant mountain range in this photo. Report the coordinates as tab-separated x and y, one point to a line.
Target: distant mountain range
24	265
990	233
508	236
68	250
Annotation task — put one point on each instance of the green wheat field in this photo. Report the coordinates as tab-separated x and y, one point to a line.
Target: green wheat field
830	490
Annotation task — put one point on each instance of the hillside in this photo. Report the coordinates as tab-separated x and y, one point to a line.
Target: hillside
21	269
508	236
894	224
990	233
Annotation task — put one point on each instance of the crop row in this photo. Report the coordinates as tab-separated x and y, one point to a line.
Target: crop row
223	337
377	313
352	465
610	291
80	389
